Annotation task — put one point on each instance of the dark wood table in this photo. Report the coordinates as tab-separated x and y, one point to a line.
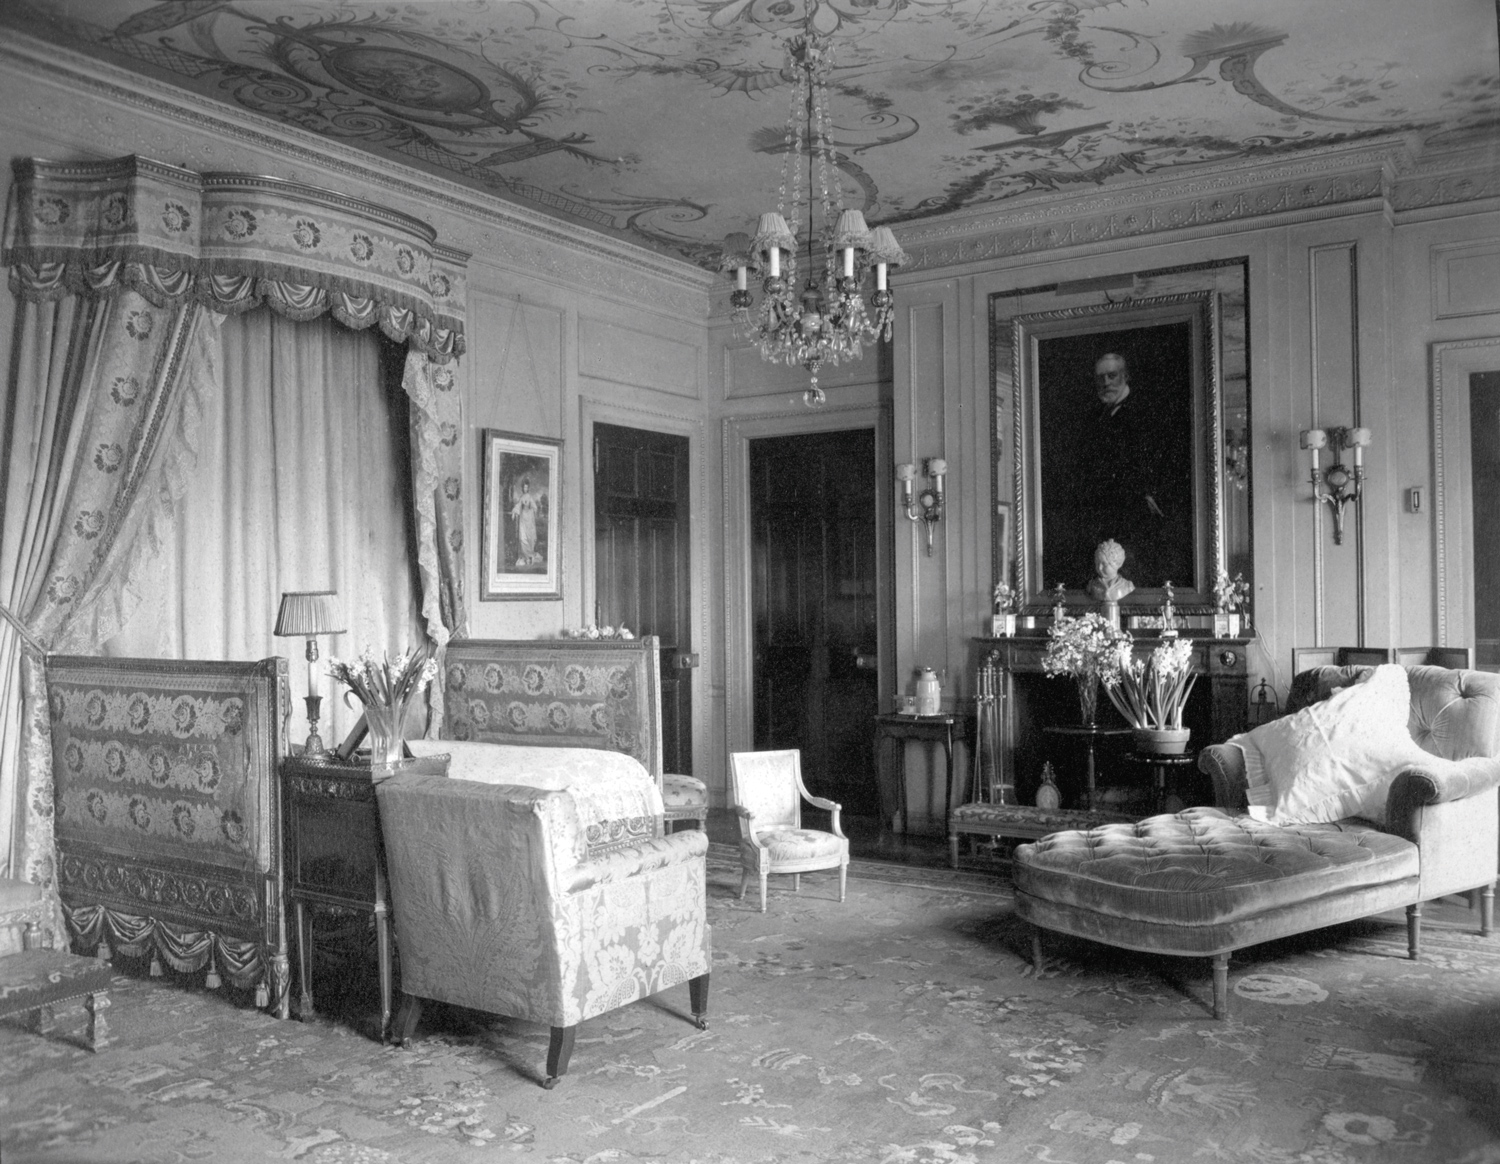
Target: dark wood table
892	732
1090	737
333	856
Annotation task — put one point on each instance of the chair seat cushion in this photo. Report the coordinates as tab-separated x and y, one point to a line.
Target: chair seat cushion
679	791
1204	867
800	844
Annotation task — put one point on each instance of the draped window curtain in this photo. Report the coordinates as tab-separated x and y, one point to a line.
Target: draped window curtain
300	481
123	272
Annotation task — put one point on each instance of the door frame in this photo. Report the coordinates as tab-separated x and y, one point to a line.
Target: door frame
739	614
591	411
1453	362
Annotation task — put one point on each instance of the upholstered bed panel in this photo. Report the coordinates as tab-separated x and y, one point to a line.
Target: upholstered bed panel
168	837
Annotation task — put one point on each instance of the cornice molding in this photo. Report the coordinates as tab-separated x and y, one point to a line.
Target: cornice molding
492	228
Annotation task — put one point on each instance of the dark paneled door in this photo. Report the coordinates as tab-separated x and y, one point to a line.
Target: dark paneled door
641	579
1484	429
816	675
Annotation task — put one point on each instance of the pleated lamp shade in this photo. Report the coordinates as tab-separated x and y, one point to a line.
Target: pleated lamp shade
309	612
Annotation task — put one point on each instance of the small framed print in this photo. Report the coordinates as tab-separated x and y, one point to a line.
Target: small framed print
522	513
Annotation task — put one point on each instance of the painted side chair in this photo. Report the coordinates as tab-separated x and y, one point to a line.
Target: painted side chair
768	794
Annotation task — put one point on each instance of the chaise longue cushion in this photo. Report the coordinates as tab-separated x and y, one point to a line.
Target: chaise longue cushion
1202	867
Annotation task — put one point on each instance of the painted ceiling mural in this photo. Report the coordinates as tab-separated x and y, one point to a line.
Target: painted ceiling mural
662	120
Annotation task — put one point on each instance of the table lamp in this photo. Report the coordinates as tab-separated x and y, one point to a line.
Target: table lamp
311	613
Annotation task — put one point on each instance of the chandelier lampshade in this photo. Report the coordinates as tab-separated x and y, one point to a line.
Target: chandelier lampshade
826	321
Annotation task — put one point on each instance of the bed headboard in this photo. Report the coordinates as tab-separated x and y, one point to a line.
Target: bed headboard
566	693
164	773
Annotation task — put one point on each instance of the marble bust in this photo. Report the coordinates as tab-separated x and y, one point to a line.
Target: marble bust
1107	585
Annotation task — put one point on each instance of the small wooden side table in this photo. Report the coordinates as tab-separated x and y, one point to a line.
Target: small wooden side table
892	731
1162	767
333	855
1090	737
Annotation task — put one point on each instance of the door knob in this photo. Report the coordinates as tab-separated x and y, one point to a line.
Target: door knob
866	662
687	660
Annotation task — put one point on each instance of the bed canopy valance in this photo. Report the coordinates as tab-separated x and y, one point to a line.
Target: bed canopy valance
123	272
231	242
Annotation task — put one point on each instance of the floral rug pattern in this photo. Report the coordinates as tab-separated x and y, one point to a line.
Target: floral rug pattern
903	1027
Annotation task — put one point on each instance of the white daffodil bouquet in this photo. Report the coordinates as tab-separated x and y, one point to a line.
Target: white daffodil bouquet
1151	692
387	688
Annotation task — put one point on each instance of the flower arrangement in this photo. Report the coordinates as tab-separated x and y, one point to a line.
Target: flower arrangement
598	632
387	688
1231	596
1083	648
1151	692
1007	600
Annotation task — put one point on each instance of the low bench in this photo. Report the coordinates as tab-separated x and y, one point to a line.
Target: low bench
36	982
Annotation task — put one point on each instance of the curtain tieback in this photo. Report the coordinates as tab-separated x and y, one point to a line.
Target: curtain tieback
26	636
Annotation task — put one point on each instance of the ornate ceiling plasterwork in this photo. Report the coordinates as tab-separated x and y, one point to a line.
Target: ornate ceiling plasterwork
660	123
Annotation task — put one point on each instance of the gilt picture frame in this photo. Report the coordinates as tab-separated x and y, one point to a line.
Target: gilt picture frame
520	530
1147	473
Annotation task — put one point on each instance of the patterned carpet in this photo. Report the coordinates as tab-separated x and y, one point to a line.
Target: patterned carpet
903	1027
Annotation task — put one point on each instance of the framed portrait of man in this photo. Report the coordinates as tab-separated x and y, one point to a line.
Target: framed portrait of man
1116	420
521	512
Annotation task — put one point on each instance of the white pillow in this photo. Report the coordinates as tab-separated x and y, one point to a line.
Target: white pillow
1333	759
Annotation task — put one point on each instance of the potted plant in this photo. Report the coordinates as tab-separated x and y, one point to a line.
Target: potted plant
1003	621
1152	692
1083	648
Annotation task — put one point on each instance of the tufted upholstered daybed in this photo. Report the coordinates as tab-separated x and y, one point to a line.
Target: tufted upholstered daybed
1208	881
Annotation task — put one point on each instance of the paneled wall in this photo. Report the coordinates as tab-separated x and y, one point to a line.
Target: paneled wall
1371	280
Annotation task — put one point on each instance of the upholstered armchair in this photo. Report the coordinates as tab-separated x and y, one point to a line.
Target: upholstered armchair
768	793
537	883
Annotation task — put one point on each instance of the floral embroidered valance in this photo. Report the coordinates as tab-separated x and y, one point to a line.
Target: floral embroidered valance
232	241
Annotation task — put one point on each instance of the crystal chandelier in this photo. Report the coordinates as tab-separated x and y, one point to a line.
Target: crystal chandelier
827	322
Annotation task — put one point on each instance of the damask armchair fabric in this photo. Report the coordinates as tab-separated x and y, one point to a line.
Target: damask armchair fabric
549	904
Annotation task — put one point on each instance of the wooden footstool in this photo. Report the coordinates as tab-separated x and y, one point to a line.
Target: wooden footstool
34	982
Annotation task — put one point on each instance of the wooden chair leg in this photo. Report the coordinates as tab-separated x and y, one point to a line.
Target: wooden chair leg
698	997
97	1031
953	850
406	1020
843	881
796	882
744	881
1221	986
1486	910
763	892
41	1020
1414	931
559	1051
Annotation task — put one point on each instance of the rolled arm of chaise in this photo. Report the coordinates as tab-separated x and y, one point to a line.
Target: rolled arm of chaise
1437	781
1224	764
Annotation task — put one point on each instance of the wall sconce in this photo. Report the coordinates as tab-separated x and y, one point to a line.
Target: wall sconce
1237	456
1338	484
928	505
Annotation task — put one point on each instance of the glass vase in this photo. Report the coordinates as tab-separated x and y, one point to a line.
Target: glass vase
387	744
1088	699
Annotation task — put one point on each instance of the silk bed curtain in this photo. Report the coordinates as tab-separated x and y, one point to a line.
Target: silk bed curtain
122	272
